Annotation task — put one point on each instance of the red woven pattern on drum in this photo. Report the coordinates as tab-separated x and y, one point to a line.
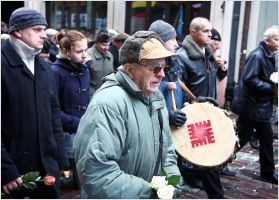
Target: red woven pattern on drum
201	133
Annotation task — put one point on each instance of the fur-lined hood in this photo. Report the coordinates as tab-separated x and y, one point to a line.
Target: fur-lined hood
193	50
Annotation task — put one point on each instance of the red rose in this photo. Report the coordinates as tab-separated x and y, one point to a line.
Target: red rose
49	180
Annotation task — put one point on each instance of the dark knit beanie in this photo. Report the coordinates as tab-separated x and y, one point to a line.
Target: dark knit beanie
23	18
163	29
130	51
215	35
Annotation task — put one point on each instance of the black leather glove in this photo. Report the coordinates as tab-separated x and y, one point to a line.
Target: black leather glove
209	99
177	118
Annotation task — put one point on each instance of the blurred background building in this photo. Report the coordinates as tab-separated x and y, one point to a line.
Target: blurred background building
240	23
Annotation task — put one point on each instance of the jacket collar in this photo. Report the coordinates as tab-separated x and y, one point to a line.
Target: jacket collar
15	60
98	54
65	62
269	54
70	66
13	57
24	51
193	50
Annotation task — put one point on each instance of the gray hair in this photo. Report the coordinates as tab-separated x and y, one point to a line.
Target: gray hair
196	23
269	32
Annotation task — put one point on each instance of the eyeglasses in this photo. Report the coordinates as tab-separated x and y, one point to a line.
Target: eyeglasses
155	68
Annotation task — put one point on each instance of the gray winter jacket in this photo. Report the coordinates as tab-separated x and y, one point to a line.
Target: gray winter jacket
101	65
117	142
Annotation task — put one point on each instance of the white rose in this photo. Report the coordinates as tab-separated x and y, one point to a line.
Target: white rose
274	77
158	181
165	192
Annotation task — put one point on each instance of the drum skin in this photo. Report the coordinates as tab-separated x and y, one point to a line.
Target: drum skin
207	139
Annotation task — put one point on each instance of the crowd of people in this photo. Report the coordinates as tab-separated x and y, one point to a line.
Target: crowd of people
104	109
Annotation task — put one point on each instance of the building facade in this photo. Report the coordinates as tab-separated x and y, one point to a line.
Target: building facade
240	23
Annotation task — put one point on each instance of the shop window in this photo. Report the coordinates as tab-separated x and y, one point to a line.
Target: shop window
80	15
140	14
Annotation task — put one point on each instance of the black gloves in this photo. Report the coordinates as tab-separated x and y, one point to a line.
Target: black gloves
209	99
177	118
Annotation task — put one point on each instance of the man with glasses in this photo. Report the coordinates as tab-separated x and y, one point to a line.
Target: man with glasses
124	138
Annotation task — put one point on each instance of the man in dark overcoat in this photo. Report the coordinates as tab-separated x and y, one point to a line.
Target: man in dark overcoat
253	100
32	135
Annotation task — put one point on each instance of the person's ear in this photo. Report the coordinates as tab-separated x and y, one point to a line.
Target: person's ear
65	52
193	32
129	69
17	34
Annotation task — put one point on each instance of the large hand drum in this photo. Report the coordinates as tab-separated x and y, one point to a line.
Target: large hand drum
208	138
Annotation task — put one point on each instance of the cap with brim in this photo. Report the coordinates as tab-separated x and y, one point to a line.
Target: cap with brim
153	49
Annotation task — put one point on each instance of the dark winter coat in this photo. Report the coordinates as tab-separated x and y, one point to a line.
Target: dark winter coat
255	91
73	92
53	51
115	53
31	131
199	71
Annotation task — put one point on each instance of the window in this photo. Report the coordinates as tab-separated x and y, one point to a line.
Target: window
140	14
80	15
